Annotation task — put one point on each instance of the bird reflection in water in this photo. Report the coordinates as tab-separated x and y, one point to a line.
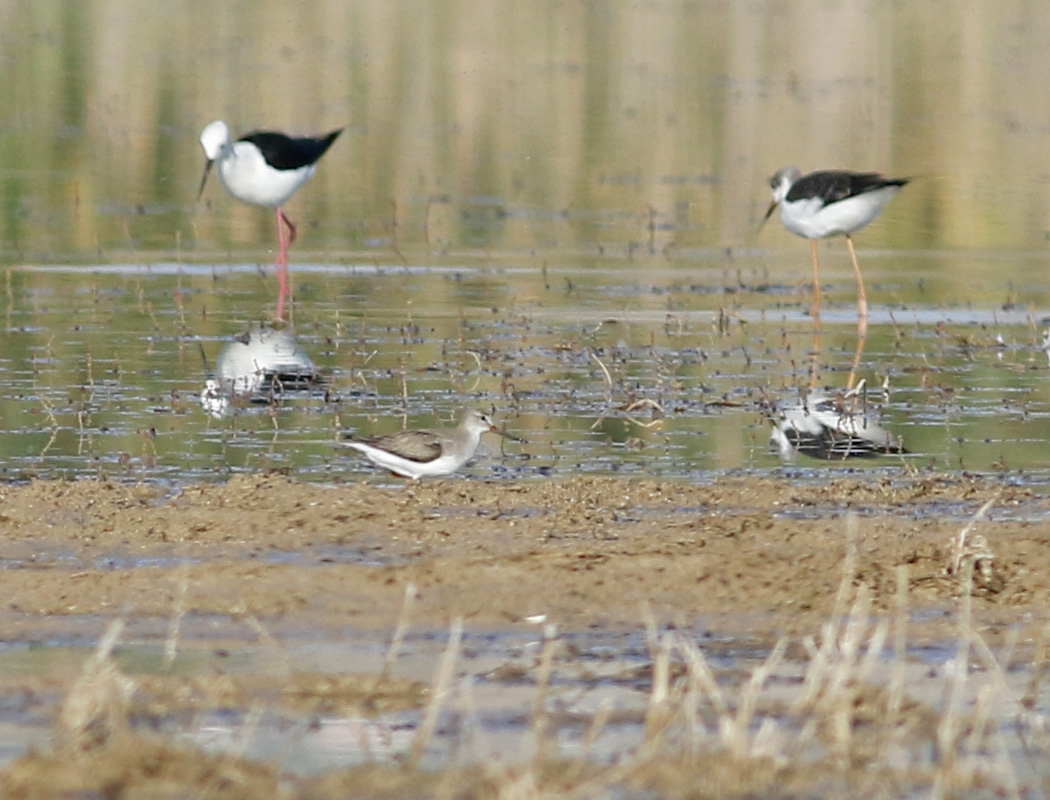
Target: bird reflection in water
831	426
258	367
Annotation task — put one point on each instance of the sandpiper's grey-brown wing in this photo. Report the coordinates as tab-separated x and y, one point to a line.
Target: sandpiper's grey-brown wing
419	446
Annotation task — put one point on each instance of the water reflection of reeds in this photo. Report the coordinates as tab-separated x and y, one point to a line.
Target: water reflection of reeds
517	125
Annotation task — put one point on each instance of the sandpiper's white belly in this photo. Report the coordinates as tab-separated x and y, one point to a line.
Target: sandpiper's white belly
445	464
809	217
247	176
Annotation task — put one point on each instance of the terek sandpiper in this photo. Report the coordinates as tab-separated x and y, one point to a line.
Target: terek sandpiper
427	453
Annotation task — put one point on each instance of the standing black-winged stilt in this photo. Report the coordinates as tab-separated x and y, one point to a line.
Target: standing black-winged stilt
426	453
831	203
265	168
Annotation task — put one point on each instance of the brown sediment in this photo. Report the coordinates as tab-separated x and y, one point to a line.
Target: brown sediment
583	551
745	553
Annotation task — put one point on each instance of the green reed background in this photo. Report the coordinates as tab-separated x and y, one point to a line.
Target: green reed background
501	124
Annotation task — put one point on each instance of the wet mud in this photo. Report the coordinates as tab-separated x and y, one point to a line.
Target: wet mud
281	563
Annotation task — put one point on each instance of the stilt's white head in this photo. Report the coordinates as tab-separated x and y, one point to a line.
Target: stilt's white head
781	184
214	137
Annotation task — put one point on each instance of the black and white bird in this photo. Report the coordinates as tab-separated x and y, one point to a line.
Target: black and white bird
265	168
831	203
427	453
831	426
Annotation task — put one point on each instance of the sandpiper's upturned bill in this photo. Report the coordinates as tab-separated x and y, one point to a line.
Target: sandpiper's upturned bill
831	203
265	168
427	453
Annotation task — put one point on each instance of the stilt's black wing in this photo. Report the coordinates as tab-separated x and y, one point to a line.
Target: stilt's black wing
287	153
834	185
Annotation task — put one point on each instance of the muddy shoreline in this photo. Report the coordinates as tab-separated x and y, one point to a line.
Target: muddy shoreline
760	557
582	551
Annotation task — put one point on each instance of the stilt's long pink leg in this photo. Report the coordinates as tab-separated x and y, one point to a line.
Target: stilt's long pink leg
862	297
862	337
814	311
815	308
291	226
862	313
814	358
283	282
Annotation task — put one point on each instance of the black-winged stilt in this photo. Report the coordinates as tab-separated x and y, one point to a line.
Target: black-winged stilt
265	168
831	203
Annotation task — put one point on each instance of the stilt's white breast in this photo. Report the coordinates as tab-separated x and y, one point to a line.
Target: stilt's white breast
812	218
246	175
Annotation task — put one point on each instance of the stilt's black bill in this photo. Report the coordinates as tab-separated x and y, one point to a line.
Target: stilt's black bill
769	213
204	177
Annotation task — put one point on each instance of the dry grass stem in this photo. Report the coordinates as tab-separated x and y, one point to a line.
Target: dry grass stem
284	657
973	550
95	709
438	691
172	642
400	629
658	713
598	361
638	405
540	716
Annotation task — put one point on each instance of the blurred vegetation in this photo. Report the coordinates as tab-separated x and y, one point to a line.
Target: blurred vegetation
500	124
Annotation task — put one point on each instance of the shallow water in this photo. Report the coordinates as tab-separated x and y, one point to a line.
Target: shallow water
547	218
489	713
600	365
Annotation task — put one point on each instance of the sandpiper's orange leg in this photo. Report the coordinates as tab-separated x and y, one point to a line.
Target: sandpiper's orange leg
285	241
